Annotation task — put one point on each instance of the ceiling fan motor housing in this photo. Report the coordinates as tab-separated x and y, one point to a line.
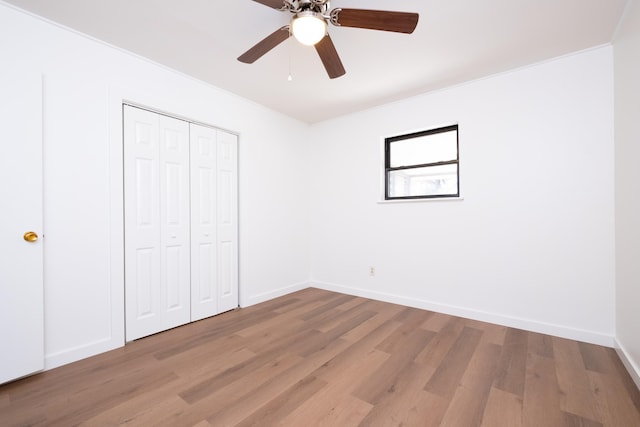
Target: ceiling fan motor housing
297	6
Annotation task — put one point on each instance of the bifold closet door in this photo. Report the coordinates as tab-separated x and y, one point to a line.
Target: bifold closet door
157	229
214	221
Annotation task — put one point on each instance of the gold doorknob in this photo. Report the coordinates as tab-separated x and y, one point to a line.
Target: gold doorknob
30	236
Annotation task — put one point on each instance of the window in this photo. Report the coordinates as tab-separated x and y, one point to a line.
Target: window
422	165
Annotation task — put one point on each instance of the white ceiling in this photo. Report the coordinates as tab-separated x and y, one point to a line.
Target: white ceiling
455	41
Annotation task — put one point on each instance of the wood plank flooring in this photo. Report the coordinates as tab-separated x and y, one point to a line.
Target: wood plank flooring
317	358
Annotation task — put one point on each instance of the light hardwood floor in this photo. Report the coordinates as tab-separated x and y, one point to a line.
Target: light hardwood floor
317	358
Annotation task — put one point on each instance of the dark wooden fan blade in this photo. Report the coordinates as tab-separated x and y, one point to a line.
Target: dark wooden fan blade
329	56
399	22
276	4
271	41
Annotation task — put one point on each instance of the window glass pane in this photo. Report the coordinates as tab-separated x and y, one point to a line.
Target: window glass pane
438	147
427	181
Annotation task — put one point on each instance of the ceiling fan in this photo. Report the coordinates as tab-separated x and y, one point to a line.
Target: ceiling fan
309	26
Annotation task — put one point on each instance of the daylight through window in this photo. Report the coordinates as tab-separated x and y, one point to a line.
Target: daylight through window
422	165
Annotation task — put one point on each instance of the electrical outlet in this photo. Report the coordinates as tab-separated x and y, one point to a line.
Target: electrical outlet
372	271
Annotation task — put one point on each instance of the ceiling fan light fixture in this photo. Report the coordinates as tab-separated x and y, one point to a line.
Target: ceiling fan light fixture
308	27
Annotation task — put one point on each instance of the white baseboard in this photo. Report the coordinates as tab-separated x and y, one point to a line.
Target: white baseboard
627	361
513	322
266	296
81	352
71	355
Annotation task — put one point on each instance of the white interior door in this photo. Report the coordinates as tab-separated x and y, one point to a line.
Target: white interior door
227	165
204	281
157	253
21	262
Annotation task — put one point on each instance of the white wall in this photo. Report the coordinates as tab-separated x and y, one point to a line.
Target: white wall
84	85
532	243
627	122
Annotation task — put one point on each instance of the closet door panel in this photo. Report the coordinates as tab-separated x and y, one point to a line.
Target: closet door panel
227	226
175	276
204	284
142	223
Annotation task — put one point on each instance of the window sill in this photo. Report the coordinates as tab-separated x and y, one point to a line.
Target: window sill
431	200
